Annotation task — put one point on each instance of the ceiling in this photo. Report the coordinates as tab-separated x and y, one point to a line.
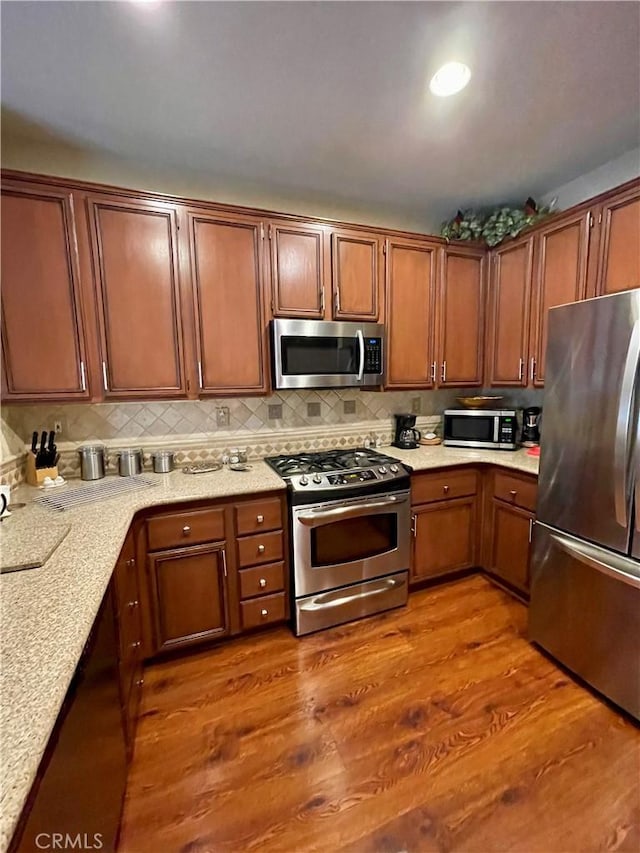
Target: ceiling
331	98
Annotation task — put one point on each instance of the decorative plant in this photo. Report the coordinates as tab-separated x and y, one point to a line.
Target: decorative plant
496	225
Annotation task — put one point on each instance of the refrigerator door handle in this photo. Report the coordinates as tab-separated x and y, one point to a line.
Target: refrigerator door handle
617	567
623	427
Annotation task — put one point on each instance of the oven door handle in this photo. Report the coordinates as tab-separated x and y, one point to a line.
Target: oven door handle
319	516
360	337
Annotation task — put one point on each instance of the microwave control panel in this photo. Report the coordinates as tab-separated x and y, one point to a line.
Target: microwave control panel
507	430
373	355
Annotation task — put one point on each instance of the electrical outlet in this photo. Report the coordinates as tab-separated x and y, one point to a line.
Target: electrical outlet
349	407
416	405
222	416
57	427
275	412
313	410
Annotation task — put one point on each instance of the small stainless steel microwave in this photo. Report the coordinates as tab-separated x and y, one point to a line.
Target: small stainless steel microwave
493	429
324	354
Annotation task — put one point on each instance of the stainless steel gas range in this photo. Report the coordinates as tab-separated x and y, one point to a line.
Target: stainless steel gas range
351	532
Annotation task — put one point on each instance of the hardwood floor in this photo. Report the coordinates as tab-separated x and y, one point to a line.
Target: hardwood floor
433	728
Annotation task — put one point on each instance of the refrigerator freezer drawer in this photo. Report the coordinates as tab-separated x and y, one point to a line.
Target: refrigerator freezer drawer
585	611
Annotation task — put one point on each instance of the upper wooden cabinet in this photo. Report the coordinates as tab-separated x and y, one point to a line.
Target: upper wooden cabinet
509	307
43	344
135	267
227	275
355	275
619	250
560	277
461	314
410	294
297	270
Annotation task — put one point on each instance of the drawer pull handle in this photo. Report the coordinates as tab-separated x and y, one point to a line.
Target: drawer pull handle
264	612
133	604
260	549
260	519
445	489
262	583
186	530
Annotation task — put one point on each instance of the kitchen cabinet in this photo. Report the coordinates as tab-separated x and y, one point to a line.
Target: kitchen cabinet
227	271
355	275
190	600
43	333
444	524
510	513
509	313
618	258
298	262
460	317
135	270
80	784
410	311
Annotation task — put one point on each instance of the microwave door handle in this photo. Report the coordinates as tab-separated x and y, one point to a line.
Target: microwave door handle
623	426
496	430
360	337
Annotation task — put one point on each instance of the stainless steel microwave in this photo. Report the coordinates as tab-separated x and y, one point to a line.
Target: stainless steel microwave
493	429
324	354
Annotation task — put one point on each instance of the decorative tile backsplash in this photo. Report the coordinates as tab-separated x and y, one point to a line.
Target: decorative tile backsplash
287	421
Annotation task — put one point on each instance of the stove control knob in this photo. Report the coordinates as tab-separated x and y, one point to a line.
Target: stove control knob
317	478
382	469
393	469
304	480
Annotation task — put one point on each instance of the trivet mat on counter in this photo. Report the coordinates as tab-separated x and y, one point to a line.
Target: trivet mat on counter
92	492
24	545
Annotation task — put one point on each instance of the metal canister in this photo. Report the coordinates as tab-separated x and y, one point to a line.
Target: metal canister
163	461
129	462
93	461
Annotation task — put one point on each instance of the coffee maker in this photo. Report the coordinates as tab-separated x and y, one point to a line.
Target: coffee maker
406	437
531	426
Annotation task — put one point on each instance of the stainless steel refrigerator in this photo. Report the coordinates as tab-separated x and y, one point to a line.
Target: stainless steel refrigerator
585	568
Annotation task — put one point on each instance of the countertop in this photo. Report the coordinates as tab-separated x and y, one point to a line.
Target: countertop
47	613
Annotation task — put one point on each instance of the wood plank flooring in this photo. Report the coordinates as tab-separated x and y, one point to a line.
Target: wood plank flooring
434	728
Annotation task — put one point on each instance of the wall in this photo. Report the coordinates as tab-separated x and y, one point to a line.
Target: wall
605	177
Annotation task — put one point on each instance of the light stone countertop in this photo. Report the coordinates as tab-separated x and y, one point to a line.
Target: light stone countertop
46	614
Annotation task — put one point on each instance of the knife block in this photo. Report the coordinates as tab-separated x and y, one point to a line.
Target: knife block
35	476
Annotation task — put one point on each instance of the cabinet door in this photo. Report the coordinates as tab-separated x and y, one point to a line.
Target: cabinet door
445	538
189	595
355	268
461	299
560	277
510	297
410	286
227	275
136	275
297	270
619	252
42	332
510	544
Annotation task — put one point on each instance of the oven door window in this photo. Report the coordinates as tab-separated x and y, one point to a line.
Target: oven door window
353	539
475	428
303	356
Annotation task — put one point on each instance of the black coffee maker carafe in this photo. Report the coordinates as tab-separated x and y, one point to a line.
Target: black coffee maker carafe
406	437
531	426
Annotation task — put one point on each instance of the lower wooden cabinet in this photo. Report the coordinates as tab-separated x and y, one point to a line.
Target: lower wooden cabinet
444	538
510	544
189	592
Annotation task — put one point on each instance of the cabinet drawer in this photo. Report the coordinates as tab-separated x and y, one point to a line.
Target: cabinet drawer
519	491
442	485
258	515
264	548
261	580
263	611
185	528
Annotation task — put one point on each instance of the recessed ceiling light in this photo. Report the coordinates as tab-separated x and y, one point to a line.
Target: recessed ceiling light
451	78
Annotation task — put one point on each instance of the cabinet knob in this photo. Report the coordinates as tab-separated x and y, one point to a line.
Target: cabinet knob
260	549
133	604
513	493
186	530
260	519
262	582
445	489
136	645
140	682
131	562
264	612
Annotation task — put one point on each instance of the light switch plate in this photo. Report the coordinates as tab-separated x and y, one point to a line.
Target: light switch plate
222	416
275	412
313	410
416	405
349	407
